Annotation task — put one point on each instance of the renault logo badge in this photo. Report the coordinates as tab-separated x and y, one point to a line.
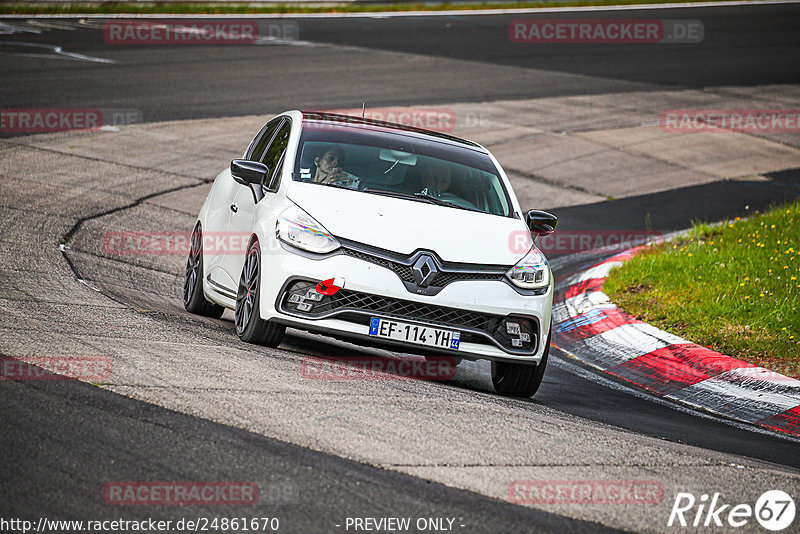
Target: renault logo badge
424	270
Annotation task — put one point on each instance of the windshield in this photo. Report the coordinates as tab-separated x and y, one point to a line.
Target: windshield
398	165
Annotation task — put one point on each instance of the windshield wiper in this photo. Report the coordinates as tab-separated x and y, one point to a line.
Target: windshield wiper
334	184
440	202
423	197
396	194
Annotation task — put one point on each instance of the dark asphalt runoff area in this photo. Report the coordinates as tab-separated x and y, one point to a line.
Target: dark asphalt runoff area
62	441
743	45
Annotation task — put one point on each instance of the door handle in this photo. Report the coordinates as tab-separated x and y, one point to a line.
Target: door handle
234	209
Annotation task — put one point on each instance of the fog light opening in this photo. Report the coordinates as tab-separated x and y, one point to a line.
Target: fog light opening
304	299
519	332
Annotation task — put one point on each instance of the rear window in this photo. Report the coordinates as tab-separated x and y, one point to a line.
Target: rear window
381	162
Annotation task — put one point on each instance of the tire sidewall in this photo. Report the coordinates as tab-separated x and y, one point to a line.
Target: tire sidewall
252	324
195	301
518	379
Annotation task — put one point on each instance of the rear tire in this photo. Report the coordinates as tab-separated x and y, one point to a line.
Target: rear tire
250	327
519	379
193	299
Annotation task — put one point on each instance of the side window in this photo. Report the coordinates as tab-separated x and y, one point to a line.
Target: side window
276	174
273	158
260	143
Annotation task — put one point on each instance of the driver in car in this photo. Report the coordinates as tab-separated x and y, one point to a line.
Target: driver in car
330	168
439	178
442	181
439	181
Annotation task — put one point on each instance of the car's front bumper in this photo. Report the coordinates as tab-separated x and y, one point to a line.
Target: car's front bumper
370	290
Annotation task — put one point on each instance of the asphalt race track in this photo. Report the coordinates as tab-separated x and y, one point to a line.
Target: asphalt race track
187	401
456	58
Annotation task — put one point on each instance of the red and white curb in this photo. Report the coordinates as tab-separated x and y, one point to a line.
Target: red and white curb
588	326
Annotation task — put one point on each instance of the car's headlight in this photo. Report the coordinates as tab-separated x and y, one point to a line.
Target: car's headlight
299	229
532	271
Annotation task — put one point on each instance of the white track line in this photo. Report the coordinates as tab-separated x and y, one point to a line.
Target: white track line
445	13
59	52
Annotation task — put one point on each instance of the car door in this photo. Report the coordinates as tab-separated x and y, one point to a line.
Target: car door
243	209
217	241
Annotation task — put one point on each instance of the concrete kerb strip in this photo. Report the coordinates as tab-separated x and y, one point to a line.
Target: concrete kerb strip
591	328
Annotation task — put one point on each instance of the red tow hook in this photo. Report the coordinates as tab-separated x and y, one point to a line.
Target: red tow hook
326	287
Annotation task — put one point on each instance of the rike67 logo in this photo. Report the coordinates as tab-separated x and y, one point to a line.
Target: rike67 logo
774	510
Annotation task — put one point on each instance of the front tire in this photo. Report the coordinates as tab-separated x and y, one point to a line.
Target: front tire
193	299
519	379
250	327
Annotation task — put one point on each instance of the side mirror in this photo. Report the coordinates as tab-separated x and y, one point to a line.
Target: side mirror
248	172
541	222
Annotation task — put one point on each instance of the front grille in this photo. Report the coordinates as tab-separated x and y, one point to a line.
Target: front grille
403	270
345	299
444	278
345	302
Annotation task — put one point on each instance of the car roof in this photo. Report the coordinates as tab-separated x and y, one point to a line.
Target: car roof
349	120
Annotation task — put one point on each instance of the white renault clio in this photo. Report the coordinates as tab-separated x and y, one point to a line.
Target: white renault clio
380	234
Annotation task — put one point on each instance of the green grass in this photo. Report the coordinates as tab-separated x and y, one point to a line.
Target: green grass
733	287
246	8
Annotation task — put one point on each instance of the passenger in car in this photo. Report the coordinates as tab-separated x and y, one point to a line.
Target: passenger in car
330	168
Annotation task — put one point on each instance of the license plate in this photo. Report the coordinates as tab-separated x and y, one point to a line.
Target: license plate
412	333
